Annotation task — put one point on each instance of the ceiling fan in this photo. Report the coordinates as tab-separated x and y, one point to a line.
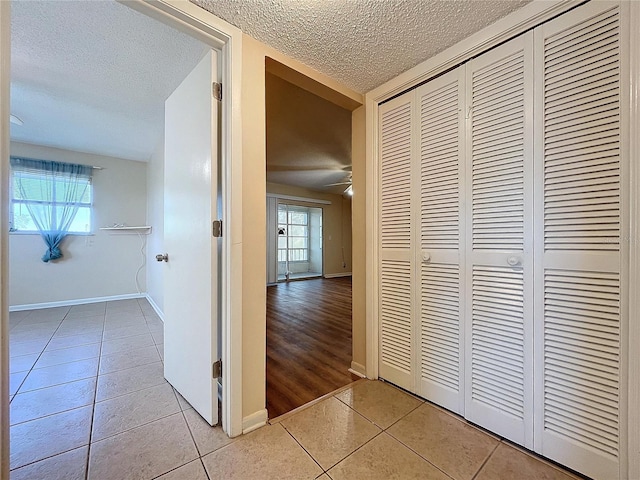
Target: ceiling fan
349	190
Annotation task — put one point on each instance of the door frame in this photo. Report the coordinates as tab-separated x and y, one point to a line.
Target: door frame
508	27
227	40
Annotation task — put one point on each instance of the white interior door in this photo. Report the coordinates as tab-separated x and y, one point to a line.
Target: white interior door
190	199
499	261
396	230
441	258
580	417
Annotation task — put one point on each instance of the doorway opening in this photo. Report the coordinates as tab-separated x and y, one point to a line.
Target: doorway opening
309	257
72	350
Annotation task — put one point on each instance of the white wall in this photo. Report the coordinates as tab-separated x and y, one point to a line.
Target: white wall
93	266
155	217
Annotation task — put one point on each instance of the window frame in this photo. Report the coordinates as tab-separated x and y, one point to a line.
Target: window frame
291	209
13	201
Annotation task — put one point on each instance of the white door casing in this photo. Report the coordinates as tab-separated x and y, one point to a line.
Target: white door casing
191	273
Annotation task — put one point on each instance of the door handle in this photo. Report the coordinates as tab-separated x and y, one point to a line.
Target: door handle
162	257
514	261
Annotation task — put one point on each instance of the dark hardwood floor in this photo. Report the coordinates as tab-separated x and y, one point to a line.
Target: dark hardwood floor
308	341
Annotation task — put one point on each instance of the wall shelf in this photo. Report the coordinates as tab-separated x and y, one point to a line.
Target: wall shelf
146	229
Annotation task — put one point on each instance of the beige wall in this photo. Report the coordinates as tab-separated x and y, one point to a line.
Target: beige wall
358	227
254	55
93	266
253	227
155	217
336	224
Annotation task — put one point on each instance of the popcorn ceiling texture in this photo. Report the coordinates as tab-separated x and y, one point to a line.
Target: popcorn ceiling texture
360	43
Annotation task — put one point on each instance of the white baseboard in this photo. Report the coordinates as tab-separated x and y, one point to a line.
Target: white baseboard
155	306
254	421
69	303
336	275
358	369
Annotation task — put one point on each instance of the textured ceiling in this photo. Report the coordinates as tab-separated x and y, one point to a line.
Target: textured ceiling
92	76
360	43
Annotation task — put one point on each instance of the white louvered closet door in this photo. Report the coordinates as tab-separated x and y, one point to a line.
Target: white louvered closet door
439	260
579	302
499	221
397	357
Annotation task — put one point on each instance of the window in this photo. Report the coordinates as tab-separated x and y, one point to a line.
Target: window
294	223
41	190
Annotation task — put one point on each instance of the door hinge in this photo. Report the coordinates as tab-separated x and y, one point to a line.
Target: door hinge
217	369
217	228
217	91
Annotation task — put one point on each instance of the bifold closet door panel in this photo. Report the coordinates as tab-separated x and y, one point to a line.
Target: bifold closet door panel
579	302
397	356
499	243
440	262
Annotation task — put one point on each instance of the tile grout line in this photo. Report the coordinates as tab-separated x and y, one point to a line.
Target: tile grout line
95	394
419	454
82	406
39	355
42	351
206	472
48	457
184	417
360	447
421	404
132	391
486	460
301	446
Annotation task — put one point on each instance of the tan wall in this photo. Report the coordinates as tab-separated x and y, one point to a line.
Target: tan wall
358	159
253	227
336	224
254	55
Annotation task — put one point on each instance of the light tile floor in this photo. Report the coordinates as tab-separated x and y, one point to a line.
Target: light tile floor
89	402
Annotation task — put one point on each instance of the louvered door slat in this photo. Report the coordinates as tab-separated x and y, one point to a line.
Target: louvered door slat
579	299
395	178
395	315
584	134
498	325
440	238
